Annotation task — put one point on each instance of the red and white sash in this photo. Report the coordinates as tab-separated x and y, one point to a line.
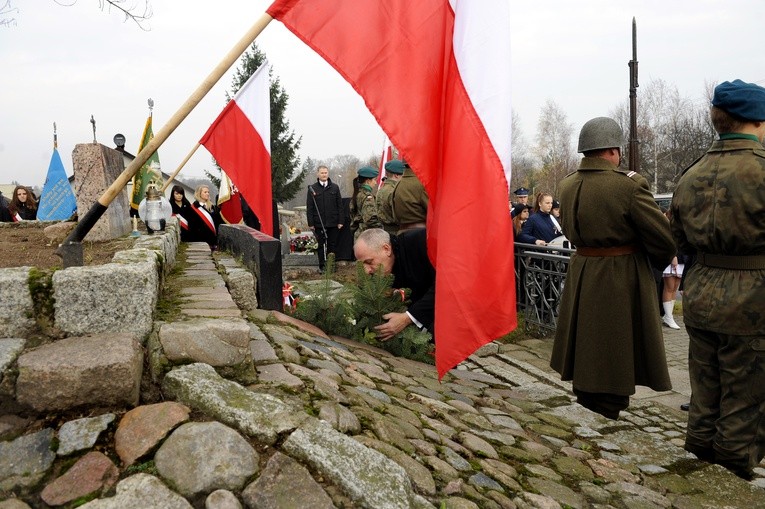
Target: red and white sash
206	217
182	221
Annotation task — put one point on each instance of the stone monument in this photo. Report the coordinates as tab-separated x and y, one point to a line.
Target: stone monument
95	168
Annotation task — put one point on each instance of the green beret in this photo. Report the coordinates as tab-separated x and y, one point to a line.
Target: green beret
368	172
394	166
743	100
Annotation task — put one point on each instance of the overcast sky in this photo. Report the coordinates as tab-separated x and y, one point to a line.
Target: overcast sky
65	64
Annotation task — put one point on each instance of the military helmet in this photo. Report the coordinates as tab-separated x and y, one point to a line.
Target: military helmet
599	133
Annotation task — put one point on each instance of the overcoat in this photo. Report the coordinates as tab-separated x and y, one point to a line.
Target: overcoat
410	201
412	269
324	204
608	337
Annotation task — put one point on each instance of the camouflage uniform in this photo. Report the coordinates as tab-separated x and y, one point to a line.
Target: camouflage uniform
385	206
366	212
718	214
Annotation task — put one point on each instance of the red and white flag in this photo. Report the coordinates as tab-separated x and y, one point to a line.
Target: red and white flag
240	141
387	155
450	119
229	204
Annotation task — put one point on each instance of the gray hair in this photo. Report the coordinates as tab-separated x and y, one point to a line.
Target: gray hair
375	238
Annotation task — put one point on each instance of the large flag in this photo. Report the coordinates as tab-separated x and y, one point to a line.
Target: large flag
57	201
387	155
229	203
240	141
150	171
447	110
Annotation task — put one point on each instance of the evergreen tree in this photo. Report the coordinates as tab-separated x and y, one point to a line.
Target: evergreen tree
286	173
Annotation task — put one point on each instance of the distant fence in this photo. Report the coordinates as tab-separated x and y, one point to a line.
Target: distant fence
540	274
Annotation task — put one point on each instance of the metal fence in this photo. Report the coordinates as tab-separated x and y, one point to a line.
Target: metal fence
540	273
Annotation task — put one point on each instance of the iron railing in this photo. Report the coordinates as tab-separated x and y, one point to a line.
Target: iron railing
540	274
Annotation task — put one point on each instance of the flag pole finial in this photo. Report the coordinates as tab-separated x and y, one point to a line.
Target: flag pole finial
151	106
55	136
93	121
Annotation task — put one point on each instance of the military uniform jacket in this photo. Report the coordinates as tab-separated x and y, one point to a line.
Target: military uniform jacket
385	206
719	208
608	337
325	202
410	201
366	211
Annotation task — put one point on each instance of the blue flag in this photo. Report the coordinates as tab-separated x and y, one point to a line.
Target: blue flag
57	202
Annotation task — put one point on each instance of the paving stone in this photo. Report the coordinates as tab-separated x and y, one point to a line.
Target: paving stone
484	482
610	471
576	453
277	374
285	483
478	445
456	461
543	471
594	493
495	437
140	491
458	503
441	469
94	473
25	460
13	503
81	434
374	393
262	352
539	451
421	478
10	348
222	499
558	492
536	501
142	429
339	417
571	467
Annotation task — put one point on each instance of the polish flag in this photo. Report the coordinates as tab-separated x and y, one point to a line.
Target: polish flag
229	204
387	155
240	141
447	110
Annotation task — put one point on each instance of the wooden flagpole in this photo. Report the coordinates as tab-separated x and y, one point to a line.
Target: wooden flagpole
86	223
178	170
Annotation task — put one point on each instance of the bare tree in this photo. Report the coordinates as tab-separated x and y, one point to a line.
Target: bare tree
521	162
8	14
673	131
554	147
138	11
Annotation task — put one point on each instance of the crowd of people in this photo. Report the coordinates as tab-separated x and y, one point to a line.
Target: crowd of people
609	337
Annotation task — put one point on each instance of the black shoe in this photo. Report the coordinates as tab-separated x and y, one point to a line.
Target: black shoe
685	407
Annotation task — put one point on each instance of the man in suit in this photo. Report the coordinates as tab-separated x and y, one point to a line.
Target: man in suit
406	257
324	208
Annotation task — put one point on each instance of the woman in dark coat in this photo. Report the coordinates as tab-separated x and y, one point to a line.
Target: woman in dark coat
23	206
204	219
182	210
540	228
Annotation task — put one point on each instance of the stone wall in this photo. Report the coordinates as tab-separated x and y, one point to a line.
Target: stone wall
118	297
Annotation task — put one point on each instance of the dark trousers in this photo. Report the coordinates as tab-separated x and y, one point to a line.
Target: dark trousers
726	420
330	241
607	405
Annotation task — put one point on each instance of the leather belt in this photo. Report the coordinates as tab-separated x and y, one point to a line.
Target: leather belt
751	262
608	251
410	226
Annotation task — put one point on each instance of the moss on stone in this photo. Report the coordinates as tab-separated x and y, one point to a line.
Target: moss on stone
40	284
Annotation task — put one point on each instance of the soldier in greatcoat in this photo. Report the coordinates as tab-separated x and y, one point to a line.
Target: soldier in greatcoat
609	338
718	216
410	201
393	171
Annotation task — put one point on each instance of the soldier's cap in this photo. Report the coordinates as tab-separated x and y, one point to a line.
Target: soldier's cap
556	204
743	100
521	191
368	172
406	165
394	166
